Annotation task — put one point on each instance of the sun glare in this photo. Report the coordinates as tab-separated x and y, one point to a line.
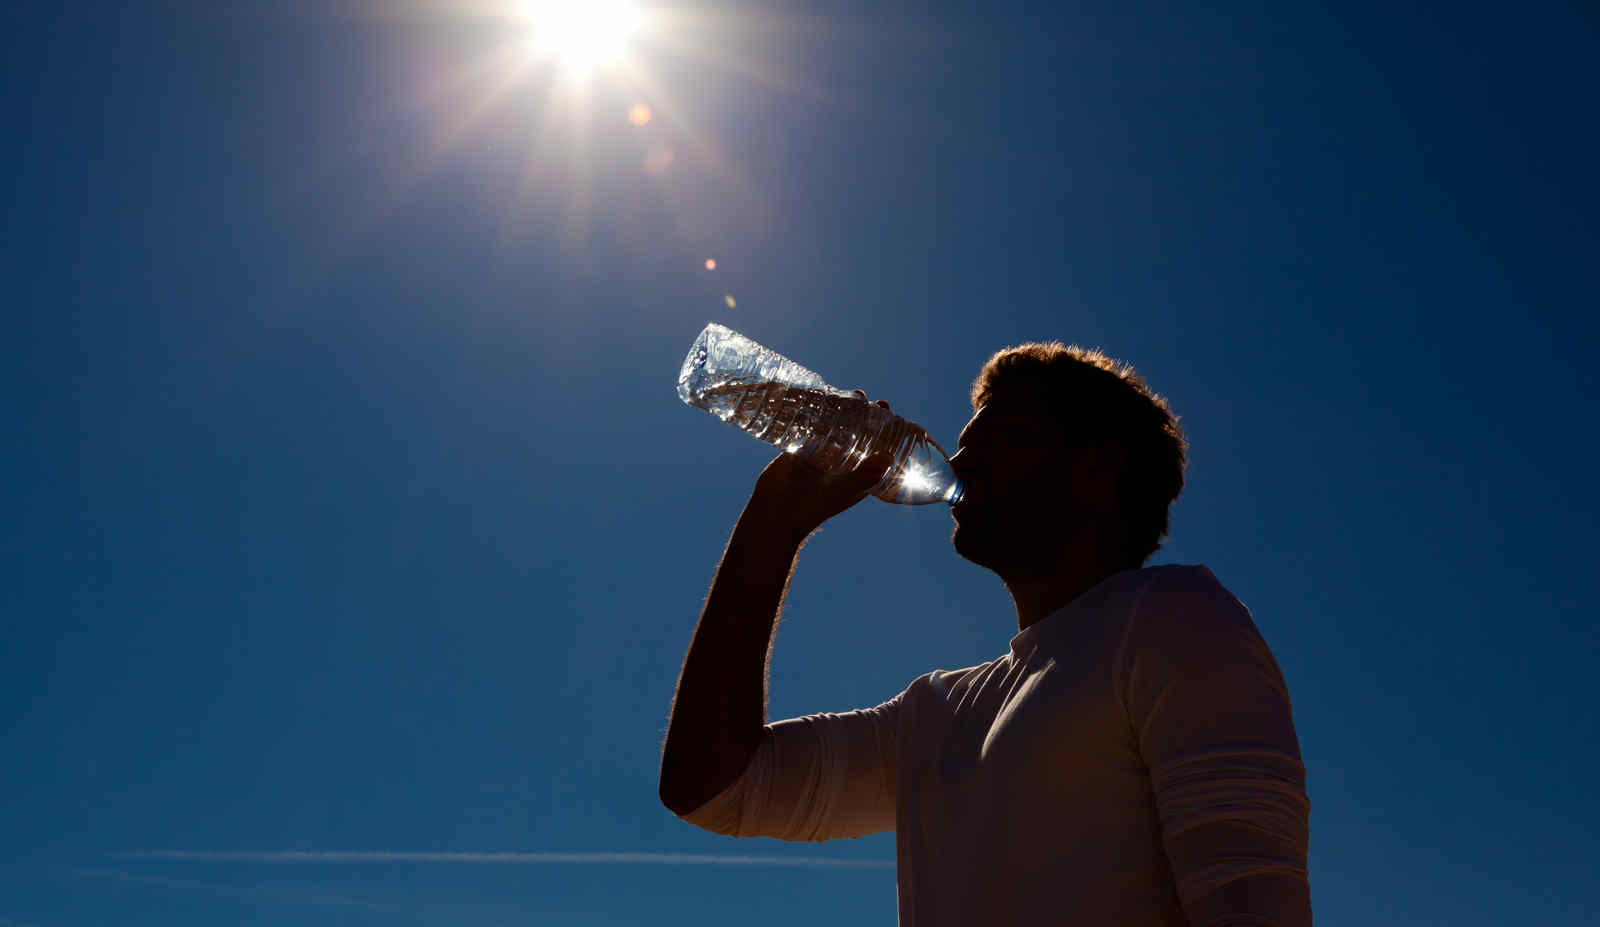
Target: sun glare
914	480
584	34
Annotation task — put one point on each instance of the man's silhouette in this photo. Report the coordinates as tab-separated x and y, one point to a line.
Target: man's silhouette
1131	760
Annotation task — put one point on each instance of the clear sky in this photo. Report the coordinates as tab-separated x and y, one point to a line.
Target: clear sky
349	508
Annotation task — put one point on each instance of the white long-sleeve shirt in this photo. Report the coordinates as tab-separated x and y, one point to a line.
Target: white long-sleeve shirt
1132	752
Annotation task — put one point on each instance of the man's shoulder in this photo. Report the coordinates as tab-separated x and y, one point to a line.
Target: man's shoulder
1183	584
1123	598
1179	576
1186	602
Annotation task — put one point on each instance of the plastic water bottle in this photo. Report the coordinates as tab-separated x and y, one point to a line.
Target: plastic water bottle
788	406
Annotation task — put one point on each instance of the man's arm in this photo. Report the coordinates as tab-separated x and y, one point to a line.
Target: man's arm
719	713
1215	727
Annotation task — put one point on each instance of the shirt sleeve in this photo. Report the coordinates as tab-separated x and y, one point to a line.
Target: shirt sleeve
1212	718
813	778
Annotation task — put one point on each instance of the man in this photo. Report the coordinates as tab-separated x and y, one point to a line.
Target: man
1130	761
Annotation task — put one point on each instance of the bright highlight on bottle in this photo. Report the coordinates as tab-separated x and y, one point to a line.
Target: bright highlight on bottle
583	34
916	482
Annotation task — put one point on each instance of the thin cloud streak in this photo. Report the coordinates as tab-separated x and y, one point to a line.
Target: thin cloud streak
254	893
381	856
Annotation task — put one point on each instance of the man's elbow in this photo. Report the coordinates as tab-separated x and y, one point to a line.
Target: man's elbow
685	790
691	778
675	800
675	792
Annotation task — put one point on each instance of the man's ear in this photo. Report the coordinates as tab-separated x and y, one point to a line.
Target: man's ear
1097	475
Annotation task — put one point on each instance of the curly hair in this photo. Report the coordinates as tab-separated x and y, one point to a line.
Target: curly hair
1099	399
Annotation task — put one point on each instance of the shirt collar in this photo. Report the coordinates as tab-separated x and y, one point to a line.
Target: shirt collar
1028	638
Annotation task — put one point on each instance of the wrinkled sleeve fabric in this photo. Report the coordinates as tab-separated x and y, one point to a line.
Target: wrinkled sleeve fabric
1212	718
813	778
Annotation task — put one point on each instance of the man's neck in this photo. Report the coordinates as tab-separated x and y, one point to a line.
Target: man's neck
1040	592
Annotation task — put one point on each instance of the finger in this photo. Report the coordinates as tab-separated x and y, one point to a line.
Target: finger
874	466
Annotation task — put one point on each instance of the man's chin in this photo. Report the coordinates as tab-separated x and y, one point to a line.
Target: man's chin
997	551
968	543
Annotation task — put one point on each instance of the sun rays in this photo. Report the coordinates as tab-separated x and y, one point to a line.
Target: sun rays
577	111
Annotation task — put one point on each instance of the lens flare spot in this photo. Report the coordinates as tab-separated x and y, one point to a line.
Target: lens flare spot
639	114
711	264
658	160
729	301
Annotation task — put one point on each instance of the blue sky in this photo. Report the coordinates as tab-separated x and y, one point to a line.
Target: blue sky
350	508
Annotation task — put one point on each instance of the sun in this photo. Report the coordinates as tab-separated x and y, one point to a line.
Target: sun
584	34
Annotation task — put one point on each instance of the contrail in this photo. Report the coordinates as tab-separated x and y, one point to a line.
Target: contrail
255	893
383	856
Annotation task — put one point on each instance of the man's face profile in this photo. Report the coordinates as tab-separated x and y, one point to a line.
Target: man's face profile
1014	461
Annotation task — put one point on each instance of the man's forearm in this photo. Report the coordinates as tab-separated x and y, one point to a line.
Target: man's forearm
719	712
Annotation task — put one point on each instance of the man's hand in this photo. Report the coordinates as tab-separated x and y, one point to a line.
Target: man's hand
795	497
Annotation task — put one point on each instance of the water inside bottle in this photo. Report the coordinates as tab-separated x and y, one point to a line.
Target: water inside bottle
835	432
